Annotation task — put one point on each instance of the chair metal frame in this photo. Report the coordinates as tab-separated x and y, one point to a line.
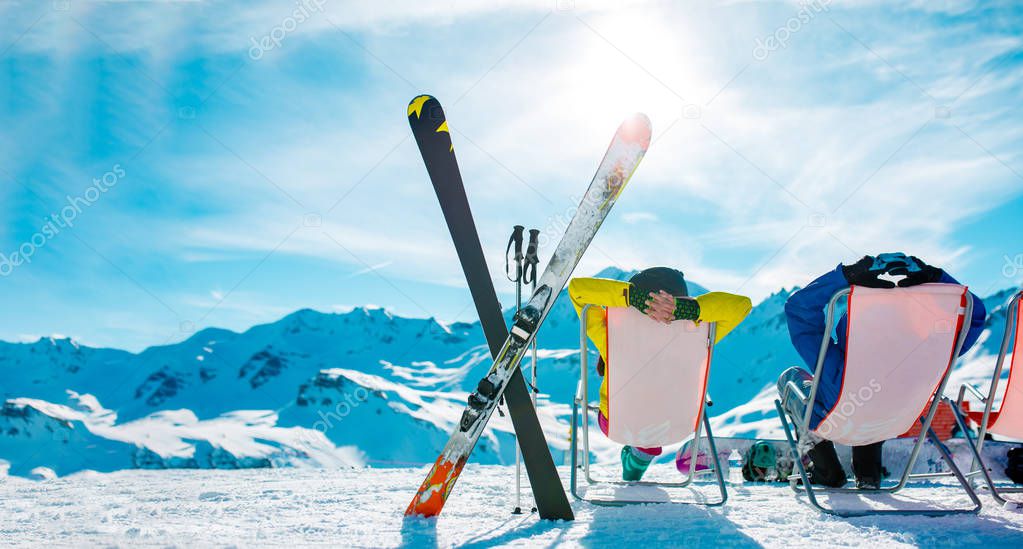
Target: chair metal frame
582	401
925	433
978	466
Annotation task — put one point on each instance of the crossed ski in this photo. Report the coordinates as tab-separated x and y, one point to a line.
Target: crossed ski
429	126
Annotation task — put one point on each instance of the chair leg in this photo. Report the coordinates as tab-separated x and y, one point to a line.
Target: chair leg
798	461
694	451
621	503
574	448
947	456
717	462
811	491
972	444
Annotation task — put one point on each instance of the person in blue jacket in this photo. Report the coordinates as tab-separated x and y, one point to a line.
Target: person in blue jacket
805	313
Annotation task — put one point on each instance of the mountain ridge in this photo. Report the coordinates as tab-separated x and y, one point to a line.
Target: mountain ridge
352	388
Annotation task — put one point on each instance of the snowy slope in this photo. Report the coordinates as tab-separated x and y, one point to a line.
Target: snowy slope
362	508
361	387
65	438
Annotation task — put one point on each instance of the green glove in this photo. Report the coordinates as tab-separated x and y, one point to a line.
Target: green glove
685	308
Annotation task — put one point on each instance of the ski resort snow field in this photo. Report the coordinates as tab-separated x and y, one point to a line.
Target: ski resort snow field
363	508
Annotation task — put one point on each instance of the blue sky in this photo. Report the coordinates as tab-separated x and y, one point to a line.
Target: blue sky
238	183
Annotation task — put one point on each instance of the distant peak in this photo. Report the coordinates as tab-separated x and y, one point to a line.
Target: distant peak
305	316
1002	295
783	293
361	310
56	340
372	312
615	273
305	312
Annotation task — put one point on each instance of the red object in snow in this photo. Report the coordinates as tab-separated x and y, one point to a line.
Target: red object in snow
944	421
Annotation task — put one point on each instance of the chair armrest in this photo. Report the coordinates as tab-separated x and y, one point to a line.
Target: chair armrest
962	393
791	387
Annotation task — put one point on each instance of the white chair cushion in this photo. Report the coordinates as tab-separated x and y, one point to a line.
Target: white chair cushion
657	378
899	346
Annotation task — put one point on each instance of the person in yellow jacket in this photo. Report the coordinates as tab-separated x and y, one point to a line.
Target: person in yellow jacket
656	292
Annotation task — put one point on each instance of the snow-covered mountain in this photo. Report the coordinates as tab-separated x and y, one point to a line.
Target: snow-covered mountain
334	389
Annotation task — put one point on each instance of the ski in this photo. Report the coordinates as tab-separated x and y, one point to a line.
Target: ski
623	156
426	117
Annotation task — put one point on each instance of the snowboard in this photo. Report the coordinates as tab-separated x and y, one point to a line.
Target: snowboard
895	455
429	125
623	156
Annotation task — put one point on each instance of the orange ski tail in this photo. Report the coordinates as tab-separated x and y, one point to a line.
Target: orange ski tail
430	498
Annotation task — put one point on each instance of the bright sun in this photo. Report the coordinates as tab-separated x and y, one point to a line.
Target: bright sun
632	62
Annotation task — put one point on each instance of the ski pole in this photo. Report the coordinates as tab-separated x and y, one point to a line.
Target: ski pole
529	277
516	241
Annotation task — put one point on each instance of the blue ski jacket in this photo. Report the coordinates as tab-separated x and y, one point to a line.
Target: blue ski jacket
805	313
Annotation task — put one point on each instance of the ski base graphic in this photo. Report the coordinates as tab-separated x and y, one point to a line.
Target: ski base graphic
435	489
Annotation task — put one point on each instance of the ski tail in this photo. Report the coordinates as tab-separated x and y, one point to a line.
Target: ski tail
436	488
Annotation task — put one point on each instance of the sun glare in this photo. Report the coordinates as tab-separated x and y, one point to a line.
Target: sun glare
633	63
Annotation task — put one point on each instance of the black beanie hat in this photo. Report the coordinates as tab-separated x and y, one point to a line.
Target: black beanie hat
660	278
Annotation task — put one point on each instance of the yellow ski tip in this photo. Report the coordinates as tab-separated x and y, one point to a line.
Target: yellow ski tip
416	105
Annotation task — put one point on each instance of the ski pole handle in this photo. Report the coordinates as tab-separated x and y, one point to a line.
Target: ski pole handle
531	259
514	240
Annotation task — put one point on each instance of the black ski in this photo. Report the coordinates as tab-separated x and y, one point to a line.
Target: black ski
426	117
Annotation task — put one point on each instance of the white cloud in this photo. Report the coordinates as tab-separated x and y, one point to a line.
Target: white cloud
322	119
537	161
633	218
371	268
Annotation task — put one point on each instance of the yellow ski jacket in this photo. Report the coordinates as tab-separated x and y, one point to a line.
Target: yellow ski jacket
728	310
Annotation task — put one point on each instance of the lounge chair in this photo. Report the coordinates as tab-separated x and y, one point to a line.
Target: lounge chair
900	348
657	396
1007	421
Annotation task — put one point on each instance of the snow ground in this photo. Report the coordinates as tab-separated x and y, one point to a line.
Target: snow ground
363	508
